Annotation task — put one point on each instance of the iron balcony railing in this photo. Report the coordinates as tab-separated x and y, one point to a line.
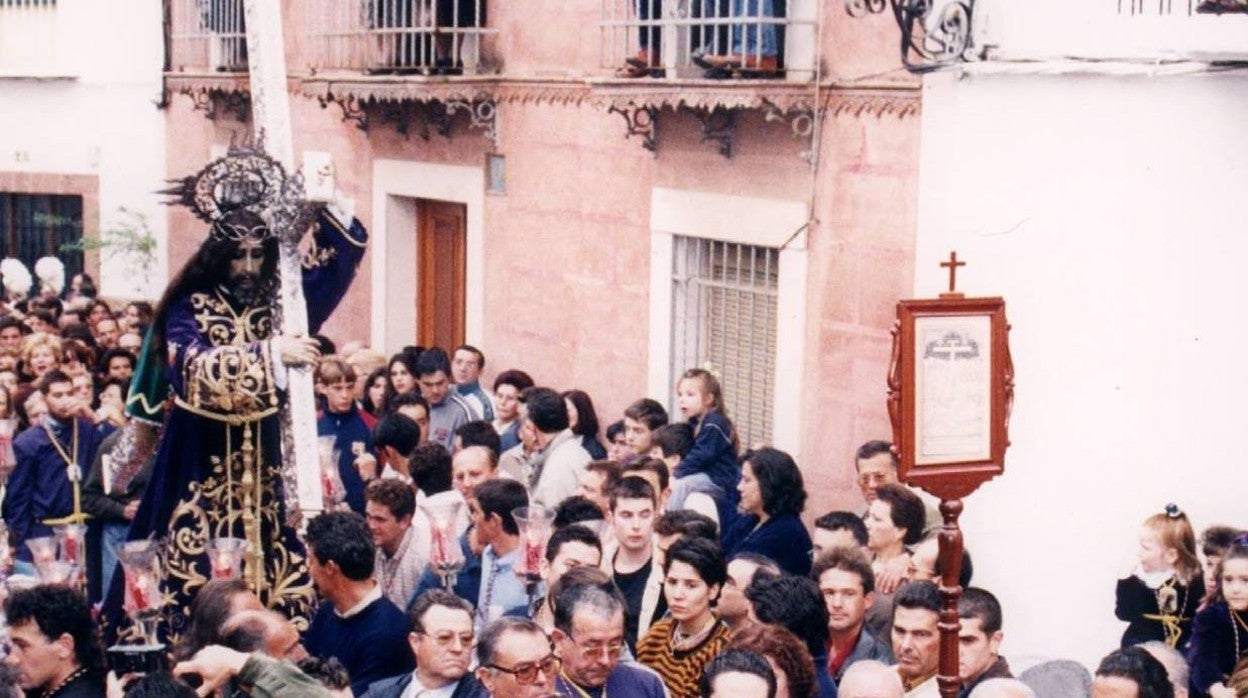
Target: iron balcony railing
28	37
709	38
208	34
397	36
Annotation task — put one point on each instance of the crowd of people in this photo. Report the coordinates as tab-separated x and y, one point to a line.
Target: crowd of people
678	564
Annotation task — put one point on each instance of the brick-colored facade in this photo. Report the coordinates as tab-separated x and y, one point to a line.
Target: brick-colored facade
565	279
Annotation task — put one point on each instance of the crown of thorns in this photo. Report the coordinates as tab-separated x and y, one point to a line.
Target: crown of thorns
246	179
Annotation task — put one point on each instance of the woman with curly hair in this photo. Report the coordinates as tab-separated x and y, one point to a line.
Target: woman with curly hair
41	352
787	655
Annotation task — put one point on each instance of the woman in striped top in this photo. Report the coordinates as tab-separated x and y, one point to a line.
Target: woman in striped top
679	646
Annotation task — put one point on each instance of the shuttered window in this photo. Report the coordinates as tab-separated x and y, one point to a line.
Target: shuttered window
36	225
724	317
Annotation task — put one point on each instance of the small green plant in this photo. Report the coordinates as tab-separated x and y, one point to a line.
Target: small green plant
129	236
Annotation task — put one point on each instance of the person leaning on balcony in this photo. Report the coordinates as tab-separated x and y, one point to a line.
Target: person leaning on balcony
754	47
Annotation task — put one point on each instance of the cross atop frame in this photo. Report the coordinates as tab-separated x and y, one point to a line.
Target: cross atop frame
952	265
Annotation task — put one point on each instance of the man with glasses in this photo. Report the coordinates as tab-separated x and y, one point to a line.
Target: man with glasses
589	632
441	642
877	466
517	659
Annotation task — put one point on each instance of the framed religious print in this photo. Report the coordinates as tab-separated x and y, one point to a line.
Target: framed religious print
951	386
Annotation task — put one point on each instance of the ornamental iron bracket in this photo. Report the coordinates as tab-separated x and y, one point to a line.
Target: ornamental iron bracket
216	102
431	116
719	124
482	115
934	33
640	121
352	109
802	122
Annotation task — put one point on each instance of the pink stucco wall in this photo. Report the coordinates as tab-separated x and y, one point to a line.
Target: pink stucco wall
566	253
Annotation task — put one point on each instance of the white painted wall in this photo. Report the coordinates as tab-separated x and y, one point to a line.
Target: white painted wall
1108	211
98	117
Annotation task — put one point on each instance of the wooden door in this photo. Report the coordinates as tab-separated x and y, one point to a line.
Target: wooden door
441	263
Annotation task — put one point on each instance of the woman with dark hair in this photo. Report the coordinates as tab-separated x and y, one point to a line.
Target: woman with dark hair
377	392
136	317
507	388
772	499
77	357
894	522
215	603
583	421
81	290
96	311
785	652
680	646
402	369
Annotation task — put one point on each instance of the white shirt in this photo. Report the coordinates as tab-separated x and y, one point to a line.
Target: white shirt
414	689
371	596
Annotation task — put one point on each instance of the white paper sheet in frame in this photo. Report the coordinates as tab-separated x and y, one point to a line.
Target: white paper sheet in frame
953	389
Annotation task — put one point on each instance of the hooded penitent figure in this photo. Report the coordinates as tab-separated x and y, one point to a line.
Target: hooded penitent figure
212	372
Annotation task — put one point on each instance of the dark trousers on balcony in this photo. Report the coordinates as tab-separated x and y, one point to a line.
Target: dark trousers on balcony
650	38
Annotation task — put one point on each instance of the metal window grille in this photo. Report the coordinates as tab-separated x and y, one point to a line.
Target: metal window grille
724	315
36	225
397	35
669	34
1159	8
208	34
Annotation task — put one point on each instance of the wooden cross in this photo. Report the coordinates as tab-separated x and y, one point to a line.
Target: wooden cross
952	265
270	107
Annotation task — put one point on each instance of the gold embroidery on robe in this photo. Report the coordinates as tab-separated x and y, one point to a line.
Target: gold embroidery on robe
233	380
214	509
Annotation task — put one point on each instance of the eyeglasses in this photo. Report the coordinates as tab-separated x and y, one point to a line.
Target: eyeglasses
608	650
526	674
873	479
448	639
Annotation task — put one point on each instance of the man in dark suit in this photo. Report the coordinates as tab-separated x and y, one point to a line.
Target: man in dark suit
48	454
441	642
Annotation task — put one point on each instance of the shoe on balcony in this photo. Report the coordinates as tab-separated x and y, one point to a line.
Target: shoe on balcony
631	72
711	61
641	60
759	66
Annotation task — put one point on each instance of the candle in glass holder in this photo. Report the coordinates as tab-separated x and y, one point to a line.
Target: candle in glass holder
438	554
225	557
534	523
141	591
42	550
222	566
533	552
58	572
71	538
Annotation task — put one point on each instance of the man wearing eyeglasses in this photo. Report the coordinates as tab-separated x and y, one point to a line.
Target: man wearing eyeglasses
517	659
589	632
441	642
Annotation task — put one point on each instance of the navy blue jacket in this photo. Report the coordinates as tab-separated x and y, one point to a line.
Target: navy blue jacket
469	687
371	644
713	454
783	539
39	487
